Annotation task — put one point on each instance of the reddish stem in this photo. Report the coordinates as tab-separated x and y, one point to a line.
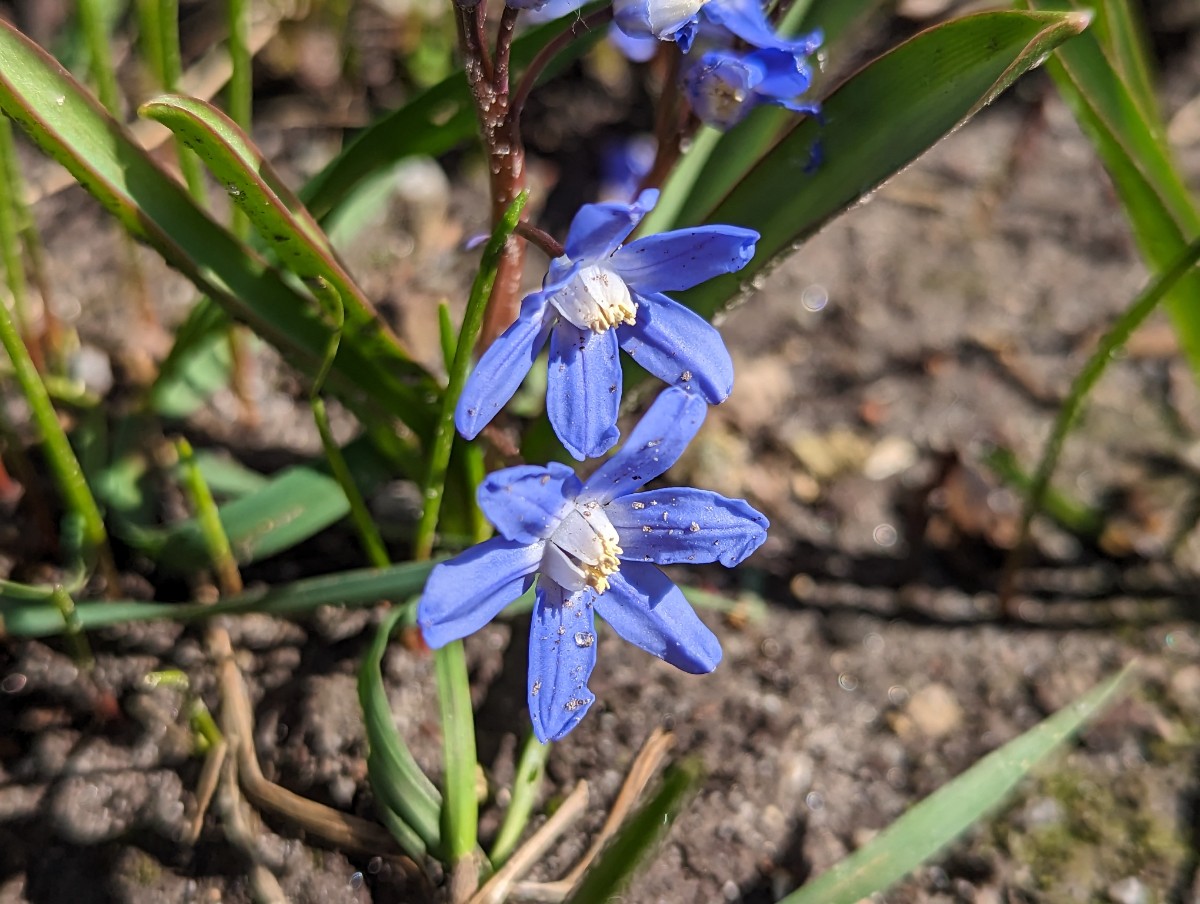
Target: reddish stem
551	246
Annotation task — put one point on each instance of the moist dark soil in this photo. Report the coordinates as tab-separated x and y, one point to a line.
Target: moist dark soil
869	659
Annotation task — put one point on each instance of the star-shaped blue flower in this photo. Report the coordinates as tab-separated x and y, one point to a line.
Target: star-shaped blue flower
601	296
596	546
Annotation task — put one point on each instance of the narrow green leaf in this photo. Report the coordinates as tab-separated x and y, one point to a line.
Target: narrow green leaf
396	778
1039	496
70	126
619	860
1122	33
875	124
936	821
365	587
1160	207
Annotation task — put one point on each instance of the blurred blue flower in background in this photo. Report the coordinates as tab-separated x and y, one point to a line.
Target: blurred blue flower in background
596	546
740	62
599	297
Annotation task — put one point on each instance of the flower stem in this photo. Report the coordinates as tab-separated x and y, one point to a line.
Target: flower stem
63	463
172	71
229	577
526	784
443	441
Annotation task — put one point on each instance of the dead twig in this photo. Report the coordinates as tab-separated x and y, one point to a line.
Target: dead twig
497	889
648	760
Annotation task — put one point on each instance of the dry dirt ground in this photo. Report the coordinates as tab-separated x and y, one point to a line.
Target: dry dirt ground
877	368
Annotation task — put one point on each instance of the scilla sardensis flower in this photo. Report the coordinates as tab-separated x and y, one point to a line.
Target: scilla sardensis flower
601	296
594	547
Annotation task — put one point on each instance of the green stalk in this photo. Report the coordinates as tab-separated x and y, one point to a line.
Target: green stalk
526	785
679	184
172	72
443	442
239	94
150	37
10	243
360	515
460	809
208	519
1068	414
68	475
95	35
81	650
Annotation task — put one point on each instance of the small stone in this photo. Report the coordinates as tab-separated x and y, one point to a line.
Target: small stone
934	711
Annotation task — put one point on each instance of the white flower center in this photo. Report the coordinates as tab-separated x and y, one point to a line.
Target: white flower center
596	299
583	549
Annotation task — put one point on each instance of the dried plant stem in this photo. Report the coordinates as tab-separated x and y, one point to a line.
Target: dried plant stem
500	886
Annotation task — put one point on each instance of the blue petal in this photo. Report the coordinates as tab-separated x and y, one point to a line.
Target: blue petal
464	594
683	525
599	229
654	445
679	347
649	611
562	654
527	502
683	258
503	367
748	20
785	76
583	389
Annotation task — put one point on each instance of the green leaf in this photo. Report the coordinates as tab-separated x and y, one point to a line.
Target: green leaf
619	860
289	508
1122	34
1157	201
396	778
364	587
275	213
70	126
941	817
875	124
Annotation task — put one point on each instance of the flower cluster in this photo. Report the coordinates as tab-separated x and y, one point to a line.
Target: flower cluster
734	60
594	546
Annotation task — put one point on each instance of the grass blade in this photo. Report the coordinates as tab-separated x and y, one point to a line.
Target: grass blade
941	817
365	587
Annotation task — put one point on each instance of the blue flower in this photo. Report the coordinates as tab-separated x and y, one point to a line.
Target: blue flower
597	298
596	546
740	62
666	20
723	86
